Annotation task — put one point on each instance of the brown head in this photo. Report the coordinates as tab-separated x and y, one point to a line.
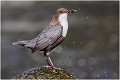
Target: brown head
58	13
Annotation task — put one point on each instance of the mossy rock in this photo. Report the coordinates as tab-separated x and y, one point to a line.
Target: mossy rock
45	73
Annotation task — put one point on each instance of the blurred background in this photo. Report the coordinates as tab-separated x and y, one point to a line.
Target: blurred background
90	50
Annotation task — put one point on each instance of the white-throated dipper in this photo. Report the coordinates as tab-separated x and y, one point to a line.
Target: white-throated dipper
51	36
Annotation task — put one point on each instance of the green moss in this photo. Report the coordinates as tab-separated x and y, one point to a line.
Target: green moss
45	73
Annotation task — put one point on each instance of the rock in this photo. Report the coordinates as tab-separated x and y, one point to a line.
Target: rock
45	73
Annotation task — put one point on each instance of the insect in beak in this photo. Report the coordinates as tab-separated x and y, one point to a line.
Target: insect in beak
72	11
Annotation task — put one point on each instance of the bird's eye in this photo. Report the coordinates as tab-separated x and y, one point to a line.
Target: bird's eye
61	12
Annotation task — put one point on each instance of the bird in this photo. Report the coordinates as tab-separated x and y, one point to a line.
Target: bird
51	36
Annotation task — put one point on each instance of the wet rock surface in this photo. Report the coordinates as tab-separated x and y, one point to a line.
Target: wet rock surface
45	73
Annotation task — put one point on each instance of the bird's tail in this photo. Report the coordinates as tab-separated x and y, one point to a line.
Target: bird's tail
27	43
21	43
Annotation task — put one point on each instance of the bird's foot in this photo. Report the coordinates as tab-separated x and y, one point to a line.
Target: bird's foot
49	67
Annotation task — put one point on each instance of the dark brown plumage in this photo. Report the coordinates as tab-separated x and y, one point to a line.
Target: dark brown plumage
49	38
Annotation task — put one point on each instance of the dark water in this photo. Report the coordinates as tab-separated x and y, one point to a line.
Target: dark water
90	50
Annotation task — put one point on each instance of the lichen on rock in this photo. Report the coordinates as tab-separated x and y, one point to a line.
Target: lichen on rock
45	73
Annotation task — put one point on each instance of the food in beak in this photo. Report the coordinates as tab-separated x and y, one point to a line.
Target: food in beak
72	11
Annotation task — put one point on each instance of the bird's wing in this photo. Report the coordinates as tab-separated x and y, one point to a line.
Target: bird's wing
48	36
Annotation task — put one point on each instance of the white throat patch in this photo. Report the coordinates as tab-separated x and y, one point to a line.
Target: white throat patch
63	21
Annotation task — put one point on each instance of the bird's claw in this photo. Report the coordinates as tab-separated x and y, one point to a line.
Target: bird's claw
49	67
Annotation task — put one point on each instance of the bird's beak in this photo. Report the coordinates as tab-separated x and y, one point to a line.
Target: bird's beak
71	11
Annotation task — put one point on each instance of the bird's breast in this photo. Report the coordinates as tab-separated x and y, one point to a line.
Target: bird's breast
65	28
63	21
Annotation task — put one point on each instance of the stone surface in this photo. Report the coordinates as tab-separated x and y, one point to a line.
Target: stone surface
45	73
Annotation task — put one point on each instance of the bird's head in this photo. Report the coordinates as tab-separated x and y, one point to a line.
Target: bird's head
61	15
63	12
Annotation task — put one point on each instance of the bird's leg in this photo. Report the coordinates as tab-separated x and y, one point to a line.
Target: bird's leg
47	57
